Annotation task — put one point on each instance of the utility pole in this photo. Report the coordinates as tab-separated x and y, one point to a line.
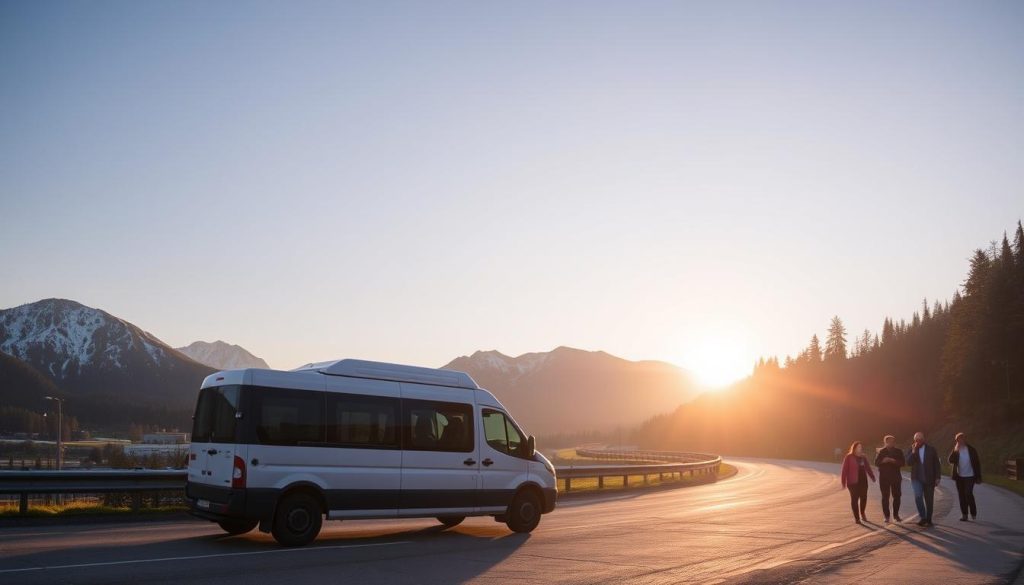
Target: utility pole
60	430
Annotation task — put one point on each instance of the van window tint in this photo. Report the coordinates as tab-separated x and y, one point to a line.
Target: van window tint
438	426
502	434
214	421
288	417
362	421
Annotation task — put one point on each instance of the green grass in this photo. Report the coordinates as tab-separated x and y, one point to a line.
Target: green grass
81	509
1016	487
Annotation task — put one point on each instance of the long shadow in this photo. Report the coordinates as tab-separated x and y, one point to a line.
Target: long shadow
360	553
961	547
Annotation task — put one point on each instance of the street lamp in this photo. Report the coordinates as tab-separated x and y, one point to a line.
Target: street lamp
60	429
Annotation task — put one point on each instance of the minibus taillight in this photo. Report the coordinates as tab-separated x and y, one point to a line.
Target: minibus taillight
238	473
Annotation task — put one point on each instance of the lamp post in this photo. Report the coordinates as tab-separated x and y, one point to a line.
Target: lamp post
60	430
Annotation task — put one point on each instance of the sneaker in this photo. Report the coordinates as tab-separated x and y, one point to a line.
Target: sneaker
857	520
974	516
922	523
963	518
887	520
898	519
929	523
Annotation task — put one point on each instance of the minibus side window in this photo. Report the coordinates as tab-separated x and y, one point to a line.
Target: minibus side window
288	417
438	426
362	421
501	433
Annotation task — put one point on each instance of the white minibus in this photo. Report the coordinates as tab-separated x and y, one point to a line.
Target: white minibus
354	439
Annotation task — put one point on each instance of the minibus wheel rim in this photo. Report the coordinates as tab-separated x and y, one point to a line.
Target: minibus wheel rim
527	511
298	520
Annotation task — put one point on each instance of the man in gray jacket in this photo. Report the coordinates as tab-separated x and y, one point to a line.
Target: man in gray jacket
925	472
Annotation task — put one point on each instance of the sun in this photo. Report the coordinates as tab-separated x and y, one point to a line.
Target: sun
717	359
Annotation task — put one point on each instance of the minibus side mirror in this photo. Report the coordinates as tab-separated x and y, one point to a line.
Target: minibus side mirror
531	446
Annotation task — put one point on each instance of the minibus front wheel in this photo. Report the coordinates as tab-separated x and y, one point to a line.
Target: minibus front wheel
297	520
524	513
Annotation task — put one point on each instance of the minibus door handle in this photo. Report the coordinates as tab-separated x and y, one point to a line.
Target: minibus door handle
211	452
487	462
469	461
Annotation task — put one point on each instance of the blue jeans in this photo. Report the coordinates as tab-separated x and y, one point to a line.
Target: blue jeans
924	498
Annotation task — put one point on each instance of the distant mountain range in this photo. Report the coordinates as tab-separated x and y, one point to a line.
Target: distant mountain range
114	374
222	356
570	390
111	372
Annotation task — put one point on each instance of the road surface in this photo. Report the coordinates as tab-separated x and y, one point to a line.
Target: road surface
774	522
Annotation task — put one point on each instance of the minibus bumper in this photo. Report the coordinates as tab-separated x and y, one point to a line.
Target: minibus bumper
215	503
550	496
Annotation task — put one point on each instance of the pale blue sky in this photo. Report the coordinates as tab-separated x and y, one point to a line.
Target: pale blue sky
694	182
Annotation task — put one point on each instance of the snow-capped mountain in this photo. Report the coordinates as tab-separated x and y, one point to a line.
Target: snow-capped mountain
105	366
222	356
570	390
61	338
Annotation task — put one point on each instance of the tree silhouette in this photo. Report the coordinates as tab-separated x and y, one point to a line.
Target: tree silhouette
835	344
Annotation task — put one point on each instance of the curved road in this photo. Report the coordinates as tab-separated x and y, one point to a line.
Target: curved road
774	522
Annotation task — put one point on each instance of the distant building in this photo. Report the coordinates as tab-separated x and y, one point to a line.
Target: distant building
165	438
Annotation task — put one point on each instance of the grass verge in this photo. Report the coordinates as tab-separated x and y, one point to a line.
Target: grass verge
82	509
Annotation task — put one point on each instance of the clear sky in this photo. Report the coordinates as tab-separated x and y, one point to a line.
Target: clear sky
696	182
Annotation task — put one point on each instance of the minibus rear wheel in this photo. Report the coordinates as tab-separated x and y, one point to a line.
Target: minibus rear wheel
524	513
450	521
237	525
297	520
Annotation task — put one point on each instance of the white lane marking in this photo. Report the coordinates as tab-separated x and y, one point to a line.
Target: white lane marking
195	557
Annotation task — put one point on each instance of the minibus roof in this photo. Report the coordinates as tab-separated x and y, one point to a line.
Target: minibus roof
392	372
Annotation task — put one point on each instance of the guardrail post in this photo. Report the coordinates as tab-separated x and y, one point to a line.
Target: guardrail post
568	484
23	503
600	482
625	481
136	501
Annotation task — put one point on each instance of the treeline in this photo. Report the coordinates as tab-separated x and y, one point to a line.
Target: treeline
954	364
14	419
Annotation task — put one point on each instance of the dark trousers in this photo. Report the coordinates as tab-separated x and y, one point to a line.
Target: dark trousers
924	497
965	490
891	486
858	498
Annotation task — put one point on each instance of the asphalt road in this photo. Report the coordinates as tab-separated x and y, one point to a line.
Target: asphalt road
774	522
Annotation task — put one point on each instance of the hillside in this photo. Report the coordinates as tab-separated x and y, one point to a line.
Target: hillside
570	390
112	372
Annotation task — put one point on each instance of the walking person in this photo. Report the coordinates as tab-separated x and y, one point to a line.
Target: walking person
889	460
966	473
855	473
925	472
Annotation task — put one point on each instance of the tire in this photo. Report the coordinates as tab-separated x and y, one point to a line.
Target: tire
524	513
450	521
297	520
237	525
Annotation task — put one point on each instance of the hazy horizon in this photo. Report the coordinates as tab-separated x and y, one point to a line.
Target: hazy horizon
698	184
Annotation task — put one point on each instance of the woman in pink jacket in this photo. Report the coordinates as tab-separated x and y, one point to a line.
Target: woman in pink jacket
855	473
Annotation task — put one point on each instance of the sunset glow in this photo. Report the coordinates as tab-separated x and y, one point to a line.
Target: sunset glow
718	357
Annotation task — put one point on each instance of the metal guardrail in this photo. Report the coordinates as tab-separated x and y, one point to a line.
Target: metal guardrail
139	481
644	463
105	481
1015	469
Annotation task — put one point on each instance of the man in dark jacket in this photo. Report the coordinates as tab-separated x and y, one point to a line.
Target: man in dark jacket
966	473
925	472
889	460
